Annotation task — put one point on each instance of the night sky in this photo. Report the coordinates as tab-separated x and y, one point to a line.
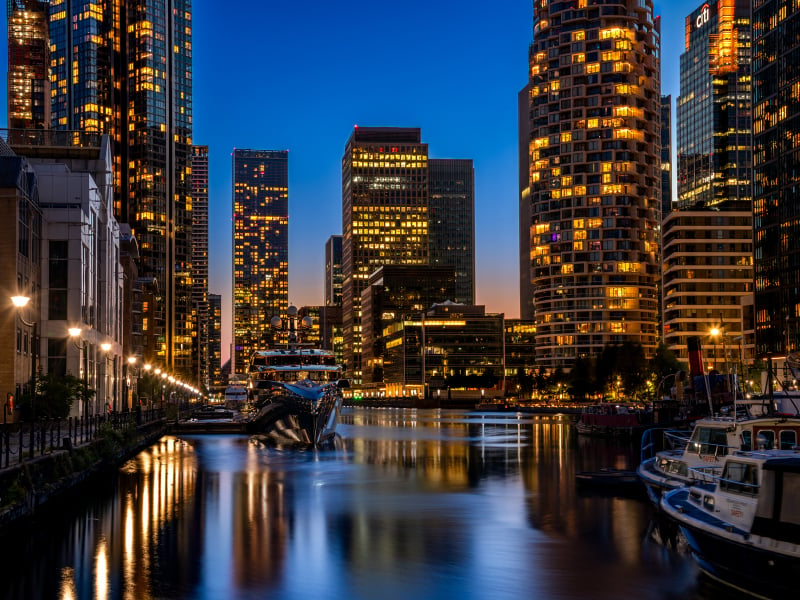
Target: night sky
299	76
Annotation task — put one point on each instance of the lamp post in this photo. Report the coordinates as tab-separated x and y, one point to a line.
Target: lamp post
129	397
19	303
714	333
75	334
106	348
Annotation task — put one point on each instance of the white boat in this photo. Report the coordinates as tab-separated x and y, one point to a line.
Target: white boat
297	392
742	524
707	445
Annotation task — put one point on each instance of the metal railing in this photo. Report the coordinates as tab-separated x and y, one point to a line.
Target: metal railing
21	441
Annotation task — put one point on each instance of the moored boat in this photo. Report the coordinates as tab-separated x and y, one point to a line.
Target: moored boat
707	445
742	524
297	392
612	420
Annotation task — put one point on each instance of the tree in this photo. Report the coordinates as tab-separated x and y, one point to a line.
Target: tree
55	395
581	379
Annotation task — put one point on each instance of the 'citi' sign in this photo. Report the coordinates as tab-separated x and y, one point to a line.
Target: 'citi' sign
703	17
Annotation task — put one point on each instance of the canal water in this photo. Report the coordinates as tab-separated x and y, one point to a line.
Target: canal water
406	504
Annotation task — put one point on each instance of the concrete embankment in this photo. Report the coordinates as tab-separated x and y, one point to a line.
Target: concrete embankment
36	483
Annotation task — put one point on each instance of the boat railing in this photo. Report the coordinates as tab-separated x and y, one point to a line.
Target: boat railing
713	475
709	449
709	474
657	439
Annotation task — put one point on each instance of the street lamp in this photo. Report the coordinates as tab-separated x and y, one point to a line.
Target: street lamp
21	302
75	334
714	333
106	348
129	392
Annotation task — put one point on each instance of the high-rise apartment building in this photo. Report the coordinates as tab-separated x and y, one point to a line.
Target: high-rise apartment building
384	217
333	271
124	69
594	177
260	249
28	64
451	214
524	176
776	176
707	239
200	260
215	342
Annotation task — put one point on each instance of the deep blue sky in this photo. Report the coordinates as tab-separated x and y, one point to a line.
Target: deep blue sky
300	75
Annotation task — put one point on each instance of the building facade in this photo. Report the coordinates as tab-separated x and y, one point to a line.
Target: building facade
124	69
451	232
714	115
200	262
708	272
524	175
776	176
217	382
448	355
666	156
333	271
707	238
384	217
28	64
594	177
20	256
81	278
395	291
260	249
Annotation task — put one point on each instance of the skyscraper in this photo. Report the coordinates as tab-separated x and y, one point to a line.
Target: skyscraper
200	260
776	177
666	155
707	238
28	64
714	117
260	249
451	212
595	177
215	341
124	69
333	271
384	217
524	176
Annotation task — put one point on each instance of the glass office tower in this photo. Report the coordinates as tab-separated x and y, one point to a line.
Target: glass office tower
451	212
28	64
595	177
124	68
384	217
776	176
260	249
707	239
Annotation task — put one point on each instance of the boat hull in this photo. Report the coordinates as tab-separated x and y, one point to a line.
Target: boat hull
295	421
730	556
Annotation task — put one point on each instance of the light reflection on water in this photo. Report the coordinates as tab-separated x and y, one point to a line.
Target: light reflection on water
406	504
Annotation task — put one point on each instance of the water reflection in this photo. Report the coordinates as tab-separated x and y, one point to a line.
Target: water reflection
423	504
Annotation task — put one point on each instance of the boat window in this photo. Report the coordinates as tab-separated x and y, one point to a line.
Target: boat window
766	439
747	440
709	441
740	478
788	439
